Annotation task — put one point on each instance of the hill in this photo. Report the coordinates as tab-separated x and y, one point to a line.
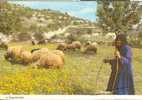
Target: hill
22	22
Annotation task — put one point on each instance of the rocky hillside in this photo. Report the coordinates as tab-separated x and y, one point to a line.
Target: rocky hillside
21	21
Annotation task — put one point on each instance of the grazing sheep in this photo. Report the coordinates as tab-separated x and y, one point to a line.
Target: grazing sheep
18	55
95	44
51	60
26	57
60	53
70	47
101	42
77	44
37	54
91	48
110	36
62	46
13	53
74	45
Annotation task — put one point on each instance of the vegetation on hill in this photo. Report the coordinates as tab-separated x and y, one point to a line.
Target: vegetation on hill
23	21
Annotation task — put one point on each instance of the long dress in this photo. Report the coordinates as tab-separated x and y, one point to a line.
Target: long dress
121	78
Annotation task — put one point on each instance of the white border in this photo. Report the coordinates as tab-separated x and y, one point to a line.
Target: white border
70	97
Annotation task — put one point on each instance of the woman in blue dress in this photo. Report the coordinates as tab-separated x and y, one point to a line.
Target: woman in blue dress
121	78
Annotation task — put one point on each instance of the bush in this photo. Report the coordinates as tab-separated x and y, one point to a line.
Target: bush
23	36
135	40
38	36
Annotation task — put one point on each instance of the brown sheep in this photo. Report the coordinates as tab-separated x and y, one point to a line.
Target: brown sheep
26	57
74	45
91	48
14	53
77	44
51	60
37	54
70	47
60	53
62	46
95	44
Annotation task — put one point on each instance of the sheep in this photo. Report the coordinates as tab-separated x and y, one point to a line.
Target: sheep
60	53
77	44
95	44
74	45
70	47
37	54
13	53
62	46
91	48
26	57
51	60
18	55
110	36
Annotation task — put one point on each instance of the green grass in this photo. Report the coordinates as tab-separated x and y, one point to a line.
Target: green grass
78	75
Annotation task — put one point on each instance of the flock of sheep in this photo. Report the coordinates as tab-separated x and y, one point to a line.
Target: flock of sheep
44	57
85	48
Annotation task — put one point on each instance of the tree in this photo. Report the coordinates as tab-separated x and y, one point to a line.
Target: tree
118	16
9	21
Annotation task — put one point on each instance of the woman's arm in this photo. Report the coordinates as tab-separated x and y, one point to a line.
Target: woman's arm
126	57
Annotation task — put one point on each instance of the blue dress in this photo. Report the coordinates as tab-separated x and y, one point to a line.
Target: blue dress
121	78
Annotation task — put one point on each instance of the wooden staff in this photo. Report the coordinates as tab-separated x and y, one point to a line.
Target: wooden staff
117	70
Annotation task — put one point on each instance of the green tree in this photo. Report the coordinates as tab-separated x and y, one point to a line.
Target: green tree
118	16
9	20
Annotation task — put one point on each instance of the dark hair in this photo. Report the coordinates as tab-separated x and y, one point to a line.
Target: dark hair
122	38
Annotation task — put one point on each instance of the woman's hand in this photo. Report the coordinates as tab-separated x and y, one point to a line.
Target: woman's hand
117	54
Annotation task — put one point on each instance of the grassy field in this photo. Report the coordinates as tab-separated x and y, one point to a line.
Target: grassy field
77	77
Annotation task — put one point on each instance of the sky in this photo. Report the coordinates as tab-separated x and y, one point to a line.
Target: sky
81	9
